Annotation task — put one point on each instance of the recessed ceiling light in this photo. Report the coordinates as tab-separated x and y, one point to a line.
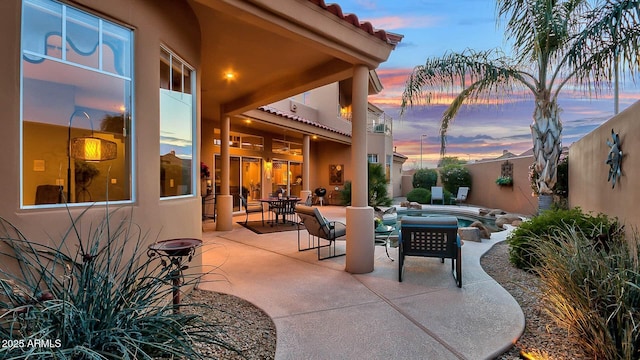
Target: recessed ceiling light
229	75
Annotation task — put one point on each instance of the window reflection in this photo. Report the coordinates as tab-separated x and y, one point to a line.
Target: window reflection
177	124
85	74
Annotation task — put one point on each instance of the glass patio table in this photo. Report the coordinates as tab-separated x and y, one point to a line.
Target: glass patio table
281	206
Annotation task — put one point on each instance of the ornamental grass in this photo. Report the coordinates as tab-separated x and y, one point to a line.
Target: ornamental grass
591	288
94	297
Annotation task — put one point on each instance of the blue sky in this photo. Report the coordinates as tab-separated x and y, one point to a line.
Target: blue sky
430	29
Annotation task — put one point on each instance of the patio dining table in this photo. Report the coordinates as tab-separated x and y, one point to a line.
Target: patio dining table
281	206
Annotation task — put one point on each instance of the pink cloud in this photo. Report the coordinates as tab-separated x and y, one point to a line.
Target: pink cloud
405	22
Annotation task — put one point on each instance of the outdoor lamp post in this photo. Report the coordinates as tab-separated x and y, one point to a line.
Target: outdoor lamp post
421	136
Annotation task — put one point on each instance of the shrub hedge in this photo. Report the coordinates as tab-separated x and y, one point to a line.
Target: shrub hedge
541	228
419	195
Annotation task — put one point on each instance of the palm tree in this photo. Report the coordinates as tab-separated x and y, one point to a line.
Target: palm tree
555	42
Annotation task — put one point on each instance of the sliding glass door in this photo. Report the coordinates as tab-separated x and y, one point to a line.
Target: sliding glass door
244	178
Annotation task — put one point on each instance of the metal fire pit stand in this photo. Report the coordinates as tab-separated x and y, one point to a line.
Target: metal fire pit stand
174	254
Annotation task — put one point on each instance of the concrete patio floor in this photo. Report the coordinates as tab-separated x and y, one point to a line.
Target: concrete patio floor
323	312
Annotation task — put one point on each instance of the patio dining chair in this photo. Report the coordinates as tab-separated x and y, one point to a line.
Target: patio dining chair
463	192
318	229
437	194
251	207
284	208
434	236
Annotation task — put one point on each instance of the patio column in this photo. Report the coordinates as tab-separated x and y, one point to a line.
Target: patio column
360	244
224	221
306	159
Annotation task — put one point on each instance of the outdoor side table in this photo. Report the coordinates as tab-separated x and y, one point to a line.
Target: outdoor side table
382	233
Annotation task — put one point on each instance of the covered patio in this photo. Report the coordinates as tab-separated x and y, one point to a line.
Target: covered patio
255	53
321	311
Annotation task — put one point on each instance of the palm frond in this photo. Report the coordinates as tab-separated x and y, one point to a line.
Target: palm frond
488	72
612	34
540	27
453	70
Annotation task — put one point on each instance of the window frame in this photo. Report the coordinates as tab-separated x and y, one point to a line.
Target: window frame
104	24
195	168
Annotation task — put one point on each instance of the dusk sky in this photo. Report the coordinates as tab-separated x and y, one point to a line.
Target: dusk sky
430	29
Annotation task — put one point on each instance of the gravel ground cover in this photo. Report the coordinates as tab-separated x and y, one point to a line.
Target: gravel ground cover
242	325
542	339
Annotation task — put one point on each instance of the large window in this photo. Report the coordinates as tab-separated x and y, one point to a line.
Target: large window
177	126
76	106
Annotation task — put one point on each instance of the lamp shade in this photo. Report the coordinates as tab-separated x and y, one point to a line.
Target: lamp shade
93	149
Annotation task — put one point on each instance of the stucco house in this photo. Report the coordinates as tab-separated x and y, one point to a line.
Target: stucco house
141	91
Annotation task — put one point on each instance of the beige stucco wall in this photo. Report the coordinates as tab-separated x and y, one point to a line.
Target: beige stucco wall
397	178
325	99
485	193
588	172
155	22
327	154
515	199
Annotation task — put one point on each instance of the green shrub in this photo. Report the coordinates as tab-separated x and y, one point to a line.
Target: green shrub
92	299
377	188
425	178
345	194
454	176
377	183
448	197
561	188
540	228
591	289
419	195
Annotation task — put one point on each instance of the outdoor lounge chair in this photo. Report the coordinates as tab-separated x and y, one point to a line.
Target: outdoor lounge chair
319	228
437	194
463	192
251	207
435	236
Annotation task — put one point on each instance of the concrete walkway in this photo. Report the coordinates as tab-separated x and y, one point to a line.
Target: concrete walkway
323	312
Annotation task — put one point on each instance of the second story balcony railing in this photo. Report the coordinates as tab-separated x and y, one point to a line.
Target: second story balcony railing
376	123
380	124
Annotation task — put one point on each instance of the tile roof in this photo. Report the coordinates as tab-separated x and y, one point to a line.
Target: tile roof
286	115
336	10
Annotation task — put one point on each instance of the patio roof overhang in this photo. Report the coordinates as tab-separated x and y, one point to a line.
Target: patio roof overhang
278	49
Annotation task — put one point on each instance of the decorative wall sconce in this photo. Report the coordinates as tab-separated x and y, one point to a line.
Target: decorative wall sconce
268	169
87	148
614	158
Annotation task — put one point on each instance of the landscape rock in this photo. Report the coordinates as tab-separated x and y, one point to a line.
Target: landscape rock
484	231
414	205
506	219
469	234
497	212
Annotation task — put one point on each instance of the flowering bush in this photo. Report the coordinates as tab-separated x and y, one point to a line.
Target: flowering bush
204	170
533	179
